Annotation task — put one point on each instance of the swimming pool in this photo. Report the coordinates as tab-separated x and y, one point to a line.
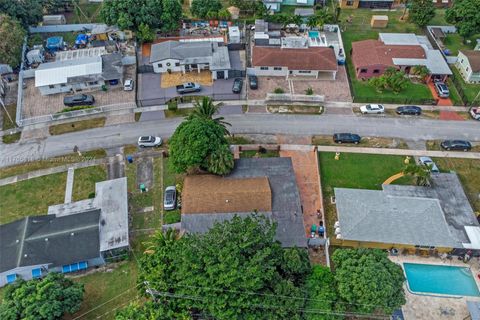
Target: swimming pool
313	34
428	278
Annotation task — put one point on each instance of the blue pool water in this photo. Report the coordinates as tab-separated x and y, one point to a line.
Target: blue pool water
313	34
427	278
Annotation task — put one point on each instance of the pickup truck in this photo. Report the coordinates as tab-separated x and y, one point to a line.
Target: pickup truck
79	100
188	87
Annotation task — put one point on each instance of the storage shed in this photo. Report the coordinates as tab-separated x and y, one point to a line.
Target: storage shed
233	34
52	20
379	21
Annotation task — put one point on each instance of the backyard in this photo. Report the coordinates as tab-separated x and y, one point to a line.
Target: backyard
7	124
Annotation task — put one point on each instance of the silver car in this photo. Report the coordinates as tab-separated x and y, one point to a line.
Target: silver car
372	108
428	162
170	198
149	141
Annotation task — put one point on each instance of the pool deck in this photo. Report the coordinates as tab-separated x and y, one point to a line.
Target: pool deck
426	307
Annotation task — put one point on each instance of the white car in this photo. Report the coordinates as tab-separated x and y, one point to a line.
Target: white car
427	161
372	108
128	85
149	141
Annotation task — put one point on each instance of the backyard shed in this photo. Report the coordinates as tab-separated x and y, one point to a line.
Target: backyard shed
233	34
379	21
52	20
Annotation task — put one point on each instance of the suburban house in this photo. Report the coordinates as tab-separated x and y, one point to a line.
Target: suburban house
265	185
276	5
368	4
190	56
315	53
415	219
71	237
468	64
399	50
78	73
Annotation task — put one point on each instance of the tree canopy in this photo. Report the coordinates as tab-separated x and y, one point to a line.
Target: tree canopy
465	15
41	299
322	293
28	12
391	79
12	35
205	8
130	14
235	270
368	280
421	12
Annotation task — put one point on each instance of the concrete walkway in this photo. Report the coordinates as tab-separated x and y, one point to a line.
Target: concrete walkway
69	185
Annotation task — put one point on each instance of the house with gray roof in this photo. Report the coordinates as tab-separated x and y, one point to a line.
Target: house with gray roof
191	56
264	185
408	217
71	237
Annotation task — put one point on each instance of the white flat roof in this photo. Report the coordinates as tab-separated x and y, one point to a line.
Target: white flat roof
58	72
473	233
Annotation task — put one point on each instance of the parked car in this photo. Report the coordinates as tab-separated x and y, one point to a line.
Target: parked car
188	87
79	100
149	141
442	90
170	198
253	82
128	85
346	138
456	145
372	108
410	110
475	113
428	162
237	85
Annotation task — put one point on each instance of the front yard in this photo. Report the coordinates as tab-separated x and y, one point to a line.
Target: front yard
470	91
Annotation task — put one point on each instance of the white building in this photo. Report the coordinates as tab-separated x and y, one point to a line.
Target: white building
468	64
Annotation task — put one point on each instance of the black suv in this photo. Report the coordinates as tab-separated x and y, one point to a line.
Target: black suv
412	110
237	85
79	100
456	145
253	82
346	138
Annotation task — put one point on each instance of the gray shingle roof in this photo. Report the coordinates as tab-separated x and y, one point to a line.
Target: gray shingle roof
49	240
286	205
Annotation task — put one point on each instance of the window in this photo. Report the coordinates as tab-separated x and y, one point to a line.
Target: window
51	86
277	68
376	71
350	2
263	68
74	267
63	85
304	71
92	83
11	277
159	65
177	64
363	70
36	273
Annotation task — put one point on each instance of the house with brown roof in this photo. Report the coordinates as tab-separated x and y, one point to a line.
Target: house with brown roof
402	51
468	64
266	186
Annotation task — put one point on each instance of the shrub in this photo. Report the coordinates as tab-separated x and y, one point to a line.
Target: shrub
278	91
309	91
172	106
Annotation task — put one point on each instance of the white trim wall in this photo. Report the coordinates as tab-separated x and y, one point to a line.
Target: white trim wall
465	69
285	72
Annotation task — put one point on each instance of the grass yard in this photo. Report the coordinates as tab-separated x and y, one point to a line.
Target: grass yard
468	171
31	197
85	179
471	91
183	112
355	170
51	162
454	43
7	124
76	126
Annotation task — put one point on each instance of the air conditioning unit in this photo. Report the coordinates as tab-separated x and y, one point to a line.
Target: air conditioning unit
337	224
337	231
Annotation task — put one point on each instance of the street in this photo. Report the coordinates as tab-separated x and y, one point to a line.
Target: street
117	135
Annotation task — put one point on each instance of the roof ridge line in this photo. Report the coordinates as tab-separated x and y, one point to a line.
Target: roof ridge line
20	251
90	226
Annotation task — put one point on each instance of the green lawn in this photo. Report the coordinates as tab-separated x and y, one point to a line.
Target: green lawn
454	42
470	91
7	124
85	179
31	197
355	170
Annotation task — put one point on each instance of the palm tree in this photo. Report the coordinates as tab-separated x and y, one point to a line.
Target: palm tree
420	173
220	161
205	109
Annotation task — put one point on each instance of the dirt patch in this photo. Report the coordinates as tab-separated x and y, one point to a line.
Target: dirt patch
177	78
145	171
296	109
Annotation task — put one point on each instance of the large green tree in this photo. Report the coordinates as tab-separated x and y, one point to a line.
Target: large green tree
172	12
193	143
322	293
28	12
202	8
465	15
368	280
41	299
421	12
234	271
12	35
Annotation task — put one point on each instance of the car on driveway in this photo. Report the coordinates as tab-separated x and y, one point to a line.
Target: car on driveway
188	87
442	90
475	113
149	141
237	85
253	82
128	85
346	138
372	108
409	110
428	162
462	145
170	198
79	100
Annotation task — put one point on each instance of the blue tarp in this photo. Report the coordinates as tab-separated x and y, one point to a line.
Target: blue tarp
54	43
81	39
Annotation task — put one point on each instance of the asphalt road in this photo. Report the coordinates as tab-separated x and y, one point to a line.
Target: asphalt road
406	128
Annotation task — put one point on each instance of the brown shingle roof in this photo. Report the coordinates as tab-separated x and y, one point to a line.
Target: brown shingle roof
322	59
473	58
212	194
375	52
